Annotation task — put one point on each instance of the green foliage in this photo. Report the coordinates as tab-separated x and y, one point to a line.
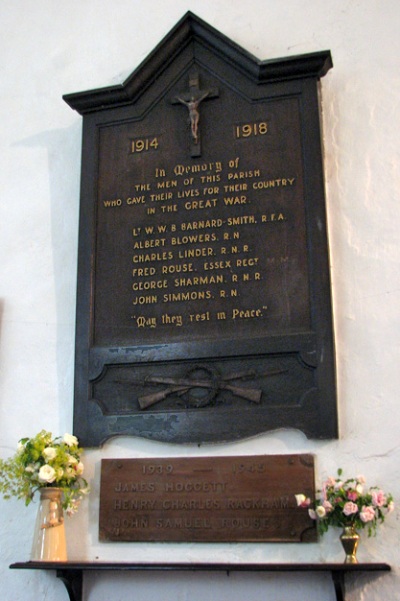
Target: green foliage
44	461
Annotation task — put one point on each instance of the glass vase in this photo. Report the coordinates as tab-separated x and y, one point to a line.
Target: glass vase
49	543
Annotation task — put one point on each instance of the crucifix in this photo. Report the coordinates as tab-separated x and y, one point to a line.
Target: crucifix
192	100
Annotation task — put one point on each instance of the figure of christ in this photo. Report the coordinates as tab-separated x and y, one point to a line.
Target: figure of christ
194	115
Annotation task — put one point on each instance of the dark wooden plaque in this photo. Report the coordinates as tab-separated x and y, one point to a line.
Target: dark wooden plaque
218	499
203	309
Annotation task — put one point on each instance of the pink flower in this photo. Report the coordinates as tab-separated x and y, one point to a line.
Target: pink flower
352	495
350	508
367	514
378	498
327	506
329	483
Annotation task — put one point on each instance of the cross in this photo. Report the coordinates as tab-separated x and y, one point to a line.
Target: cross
192	100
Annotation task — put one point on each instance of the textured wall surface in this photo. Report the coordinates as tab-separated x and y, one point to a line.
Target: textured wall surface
48	49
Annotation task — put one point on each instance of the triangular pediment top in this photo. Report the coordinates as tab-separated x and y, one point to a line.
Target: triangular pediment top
192	29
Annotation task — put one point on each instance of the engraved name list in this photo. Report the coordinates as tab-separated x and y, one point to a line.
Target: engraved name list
203	246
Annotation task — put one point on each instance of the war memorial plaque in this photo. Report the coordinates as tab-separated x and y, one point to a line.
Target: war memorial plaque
223	499
203	309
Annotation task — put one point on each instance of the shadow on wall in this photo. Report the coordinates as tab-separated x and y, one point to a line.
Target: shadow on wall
1	314
63	151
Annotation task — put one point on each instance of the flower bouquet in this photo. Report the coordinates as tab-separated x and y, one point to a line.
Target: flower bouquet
43	462
350	505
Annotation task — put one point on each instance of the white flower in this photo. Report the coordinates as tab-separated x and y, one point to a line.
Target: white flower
72	507
320	511
79	469
72	460
49	453
300	499
70	440
47	474
312	514
30	468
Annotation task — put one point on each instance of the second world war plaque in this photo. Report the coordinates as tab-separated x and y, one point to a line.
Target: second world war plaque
203	499
203	295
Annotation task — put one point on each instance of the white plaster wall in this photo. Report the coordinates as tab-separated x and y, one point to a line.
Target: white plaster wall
50	48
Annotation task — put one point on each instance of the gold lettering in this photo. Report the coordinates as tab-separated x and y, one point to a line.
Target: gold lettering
246	313
199	280
167	319
244	174
200	316
273	217
236	187
209	266
188	193
149	285
235	200
251	262
142	272
161	196
152	257
117	202
146	322
194	239
135	200
191	253
201	204
274	183
182	268
243	220
201	225
232	293
154	243
197	168
176	297
145	300
167	184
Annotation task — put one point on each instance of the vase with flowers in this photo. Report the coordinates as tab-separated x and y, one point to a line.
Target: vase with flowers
350	505
52	467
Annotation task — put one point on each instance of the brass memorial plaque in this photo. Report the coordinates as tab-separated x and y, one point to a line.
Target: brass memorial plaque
203	300
208	499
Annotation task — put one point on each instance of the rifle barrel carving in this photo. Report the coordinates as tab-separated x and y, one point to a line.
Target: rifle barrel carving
182	385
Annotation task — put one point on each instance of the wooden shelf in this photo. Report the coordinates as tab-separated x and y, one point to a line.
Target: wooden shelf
71	573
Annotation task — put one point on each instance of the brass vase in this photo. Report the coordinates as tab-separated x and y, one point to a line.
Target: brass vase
350	539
